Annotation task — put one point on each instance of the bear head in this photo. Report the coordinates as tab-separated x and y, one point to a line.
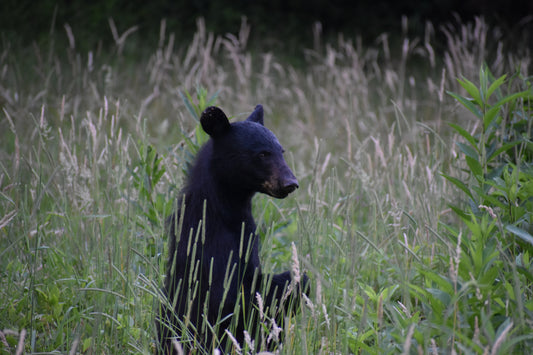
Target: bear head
246	156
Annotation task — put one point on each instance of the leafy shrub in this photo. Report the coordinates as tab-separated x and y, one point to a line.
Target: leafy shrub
486	300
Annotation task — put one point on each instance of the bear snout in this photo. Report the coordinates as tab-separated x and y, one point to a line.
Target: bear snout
287	182
280	188
289	185
286	185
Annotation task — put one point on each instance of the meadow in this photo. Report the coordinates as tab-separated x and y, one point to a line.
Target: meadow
414	216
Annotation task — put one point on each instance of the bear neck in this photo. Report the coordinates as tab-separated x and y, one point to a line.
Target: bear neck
227	203
231	211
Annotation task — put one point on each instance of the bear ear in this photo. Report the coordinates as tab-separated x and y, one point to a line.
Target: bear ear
214	121
257	115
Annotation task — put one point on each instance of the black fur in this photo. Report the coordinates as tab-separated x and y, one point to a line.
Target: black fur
214	211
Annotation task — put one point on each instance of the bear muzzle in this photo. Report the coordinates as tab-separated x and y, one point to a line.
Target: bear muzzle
280	188
289	186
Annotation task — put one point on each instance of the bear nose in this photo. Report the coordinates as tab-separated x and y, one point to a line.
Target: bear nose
290	185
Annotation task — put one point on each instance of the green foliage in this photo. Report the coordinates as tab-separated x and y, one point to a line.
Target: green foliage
94	145
196	109
499	159
194	142
146	176
489	286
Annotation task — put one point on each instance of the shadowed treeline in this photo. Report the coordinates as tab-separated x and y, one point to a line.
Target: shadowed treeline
275	23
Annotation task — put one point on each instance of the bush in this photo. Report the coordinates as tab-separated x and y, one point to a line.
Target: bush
486	300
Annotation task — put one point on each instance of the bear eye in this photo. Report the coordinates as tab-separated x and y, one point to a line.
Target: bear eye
264	154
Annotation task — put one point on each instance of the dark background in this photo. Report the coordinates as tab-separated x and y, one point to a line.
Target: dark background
287	21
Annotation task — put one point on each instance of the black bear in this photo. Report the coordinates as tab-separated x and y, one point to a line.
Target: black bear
213	270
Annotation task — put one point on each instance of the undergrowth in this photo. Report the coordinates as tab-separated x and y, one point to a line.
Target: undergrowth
413	218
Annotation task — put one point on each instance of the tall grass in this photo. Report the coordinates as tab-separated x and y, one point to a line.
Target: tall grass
94	147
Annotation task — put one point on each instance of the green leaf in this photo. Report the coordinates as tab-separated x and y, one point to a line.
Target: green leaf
369	291
461	185
490	115
467	103
201	136
487	276
86	344
212	100
462	214
526	190
443	283
502	149
511	343
527	94
471	89
524	271
493	200
495	85
387	292
187	100
519	232
464	133
503	328
474	166
441	295
468	151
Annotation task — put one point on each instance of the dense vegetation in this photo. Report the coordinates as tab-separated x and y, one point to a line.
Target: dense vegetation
413	218
286	24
